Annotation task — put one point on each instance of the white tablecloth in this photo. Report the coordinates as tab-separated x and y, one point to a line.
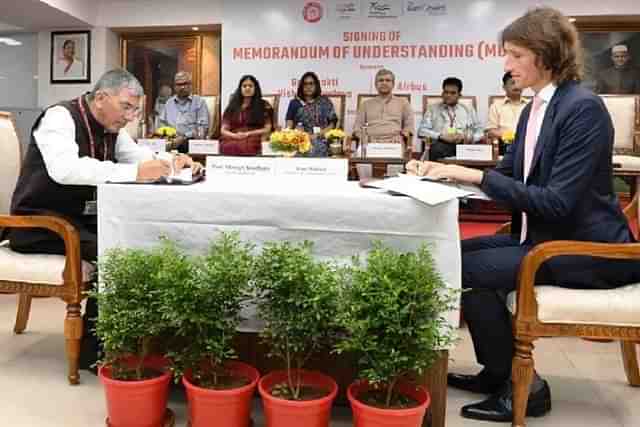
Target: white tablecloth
341	219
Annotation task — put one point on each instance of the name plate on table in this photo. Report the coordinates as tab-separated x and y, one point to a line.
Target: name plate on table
204	146
334	169
474	152
241	166
154	144
385	150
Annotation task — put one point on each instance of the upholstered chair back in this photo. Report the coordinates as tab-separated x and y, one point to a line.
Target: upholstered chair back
10	159
625	114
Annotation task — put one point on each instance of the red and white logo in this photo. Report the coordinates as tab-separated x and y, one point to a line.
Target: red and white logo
312	11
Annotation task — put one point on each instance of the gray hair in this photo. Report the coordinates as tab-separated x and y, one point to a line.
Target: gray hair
116	80
182	75
384	72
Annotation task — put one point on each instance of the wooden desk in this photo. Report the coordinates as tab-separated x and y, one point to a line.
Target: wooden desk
630	176
476	164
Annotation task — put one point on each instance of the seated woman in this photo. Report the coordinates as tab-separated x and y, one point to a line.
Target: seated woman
246	120
313	112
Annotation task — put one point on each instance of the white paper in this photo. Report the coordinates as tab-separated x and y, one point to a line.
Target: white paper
156	145
327	169
204	146
384	151
431	193
241	166
474	152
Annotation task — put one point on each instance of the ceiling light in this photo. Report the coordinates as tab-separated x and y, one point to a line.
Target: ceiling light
10	42
572	19
195	28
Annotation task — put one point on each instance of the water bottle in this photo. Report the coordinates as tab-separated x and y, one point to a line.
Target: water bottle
364	139
300	127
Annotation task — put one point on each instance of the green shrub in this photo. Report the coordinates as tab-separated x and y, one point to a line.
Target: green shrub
393	314
297	297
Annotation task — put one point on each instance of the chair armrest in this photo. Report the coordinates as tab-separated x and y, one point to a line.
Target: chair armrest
73	262
527	309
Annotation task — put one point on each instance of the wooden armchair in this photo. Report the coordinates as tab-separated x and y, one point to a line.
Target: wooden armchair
38	275
213	106
550	311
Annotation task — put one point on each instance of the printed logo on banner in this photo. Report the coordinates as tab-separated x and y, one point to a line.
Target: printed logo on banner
347	9
384	9
437	9
424	7
312	11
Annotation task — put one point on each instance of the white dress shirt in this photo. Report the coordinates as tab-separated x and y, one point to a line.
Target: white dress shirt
56	139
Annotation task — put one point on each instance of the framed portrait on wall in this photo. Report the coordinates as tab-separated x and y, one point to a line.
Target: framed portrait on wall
611	54
70	57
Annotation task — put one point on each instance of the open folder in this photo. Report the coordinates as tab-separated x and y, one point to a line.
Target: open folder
427	190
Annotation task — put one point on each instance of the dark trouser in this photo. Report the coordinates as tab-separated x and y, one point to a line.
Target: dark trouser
439	150
489	272
45	242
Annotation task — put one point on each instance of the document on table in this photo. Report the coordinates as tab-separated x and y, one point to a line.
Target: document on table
426	191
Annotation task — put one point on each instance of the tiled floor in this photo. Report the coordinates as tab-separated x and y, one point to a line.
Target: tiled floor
587	380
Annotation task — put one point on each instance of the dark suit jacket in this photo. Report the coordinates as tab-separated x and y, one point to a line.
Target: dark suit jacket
569	192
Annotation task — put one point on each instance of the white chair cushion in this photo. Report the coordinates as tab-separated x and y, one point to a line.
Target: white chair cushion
37	268
617	307
626	162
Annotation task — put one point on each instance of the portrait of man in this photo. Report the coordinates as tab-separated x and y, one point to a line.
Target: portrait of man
612	62
70	60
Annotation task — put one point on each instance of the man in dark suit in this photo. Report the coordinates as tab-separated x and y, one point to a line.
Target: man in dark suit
557	180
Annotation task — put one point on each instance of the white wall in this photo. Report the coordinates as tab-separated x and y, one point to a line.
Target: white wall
104	56
143	13
84	10
19	72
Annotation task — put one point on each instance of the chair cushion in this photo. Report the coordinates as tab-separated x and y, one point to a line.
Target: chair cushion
619	307
36	268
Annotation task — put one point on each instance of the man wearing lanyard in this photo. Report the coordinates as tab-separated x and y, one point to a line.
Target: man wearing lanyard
76	145
185	112
449	123
557	181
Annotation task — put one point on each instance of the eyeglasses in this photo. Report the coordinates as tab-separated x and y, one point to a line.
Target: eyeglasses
183	84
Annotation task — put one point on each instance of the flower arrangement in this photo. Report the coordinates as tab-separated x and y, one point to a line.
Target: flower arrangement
166	131
334	135
508	136
290	140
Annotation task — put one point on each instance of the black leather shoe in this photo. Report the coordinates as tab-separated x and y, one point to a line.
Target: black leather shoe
499	407
481	383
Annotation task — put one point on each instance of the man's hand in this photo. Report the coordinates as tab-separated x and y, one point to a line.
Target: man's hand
416	167
182	161
152	170
455	173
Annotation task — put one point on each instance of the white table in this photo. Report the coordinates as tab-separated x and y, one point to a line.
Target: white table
341	219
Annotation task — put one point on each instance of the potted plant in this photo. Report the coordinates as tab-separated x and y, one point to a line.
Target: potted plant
393	315
133	285
297	299
206	312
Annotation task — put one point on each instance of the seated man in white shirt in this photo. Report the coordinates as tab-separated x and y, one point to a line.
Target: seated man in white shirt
76	145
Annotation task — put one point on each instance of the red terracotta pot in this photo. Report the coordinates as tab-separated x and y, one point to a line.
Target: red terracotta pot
288	413
222	408
136	403
369	416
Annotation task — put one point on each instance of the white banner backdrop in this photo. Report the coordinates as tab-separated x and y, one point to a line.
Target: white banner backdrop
346	42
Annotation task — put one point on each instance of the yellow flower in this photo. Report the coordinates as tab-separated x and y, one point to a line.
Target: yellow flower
166	131
335	134
290	140
508	136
